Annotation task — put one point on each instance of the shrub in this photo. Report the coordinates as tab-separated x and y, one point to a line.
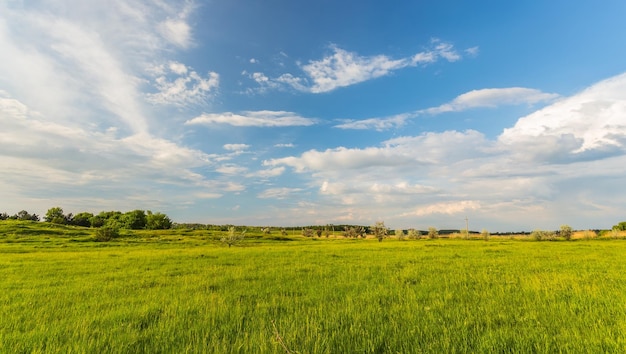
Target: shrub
414	234
566	232
233	237
485	235
540	235
379	230
400	234
107	233
307	232
433	233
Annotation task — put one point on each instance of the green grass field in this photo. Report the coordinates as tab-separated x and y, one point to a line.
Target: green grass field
184	292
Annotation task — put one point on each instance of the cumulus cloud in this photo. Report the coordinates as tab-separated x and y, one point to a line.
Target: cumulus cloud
566	155
253	119
588	125
344	68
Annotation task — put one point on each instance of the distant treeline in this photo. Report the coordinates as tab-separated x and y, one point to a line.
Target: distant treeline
132	220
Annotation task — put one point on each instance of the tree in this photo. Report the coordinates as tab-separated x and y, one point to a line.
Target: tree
379	230
485	234
24	215
4	216
82	219
566	232
134	220
620	226
400	234
414	234
157	221
433	233
233	237
55	215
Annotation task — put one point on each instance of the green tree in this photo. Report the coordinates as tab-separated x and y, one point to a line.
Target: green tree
157	221
24	215
566	232
379	230
55	215
134	220
620	226
82	219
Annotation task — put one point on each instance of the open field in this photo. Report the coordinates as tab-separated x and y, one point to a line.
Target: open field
179	291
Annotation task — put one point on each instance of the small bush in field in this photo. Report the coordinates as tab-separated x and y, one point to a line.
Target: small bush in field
540	235
233	237
106	233
379	230
485	235
433	233
414	234
400	235
566	232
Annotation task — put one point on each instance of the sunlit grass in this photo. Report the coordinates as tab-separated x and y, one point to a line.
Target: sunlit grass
174	291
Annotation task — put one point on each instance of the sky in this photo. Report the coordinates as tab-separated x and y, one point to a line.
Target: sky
286	113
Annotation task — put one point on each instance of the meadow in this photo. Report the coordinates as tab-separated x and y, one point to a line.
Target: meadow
183	291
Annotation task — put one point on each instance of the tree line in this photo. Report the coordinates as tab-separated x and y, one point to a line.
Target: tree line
131	220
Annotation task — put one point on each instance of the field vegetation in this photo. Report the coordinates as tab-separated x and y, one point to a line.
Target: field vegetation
193	290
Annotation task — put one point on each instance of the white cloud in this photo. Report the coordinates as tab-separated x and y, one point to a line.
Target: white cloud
378	124
231	169
473	51
180	86
278	193
285	145
253	119
493	97
272	172
236	147
342	158
343	68
588	125
450	208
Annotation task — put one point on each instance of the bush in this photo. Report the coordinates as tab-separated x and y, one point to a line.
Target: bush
107	233
400	234
433	233
379	230
233	237
414	234
485	234
566	232
540	235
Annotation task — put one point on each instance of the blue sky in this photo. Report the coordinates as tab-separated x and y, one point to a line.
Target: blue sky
298	112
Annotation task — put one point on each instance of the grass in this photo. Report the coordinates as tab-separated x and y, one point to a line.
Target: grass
178	291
